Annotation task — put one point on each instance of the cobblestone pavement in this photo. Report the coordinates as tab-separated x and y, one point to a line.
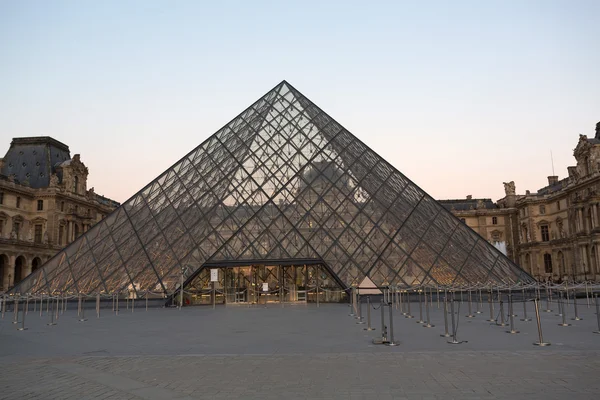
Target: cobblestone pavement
299	352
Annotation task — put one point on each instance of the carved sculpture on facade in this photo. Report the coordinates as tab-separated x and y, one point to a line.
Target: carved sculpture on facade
53	180
509	188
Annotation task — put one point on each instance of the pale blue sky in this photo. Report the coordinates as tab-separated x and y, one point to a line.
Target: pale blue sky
458	95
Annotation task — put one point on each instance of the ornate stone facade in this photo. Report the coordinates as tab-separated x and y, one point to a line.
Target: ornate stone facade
44	205
553	234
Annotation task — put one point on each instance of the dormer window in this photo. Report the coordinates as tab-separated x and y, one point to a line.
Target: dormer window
75	184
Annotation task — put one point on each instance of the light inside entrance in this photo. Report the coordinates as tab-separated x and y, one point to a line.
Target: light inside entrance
264	283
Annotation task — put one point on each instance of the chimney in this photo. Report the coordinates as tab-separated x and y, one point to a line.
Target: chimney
552	180
598	130
469	197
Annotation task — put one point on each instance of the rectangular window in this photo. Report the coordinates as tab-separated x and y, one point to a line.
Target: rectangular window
38	233
61	235
558	205
62	206
542	210
548	263
1	197
494	220
17	229
18	202
1	228
545	233
40	205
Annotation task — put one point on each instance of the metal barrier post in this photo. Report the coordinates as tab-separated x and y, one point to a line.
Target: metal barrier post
587	297
512	315
540	341
117	304
51	314
454	327
420	321
427	323
369	328
445	334
97	305
525	318
502	318
3	305
597	313
470	300
575	311
491	303
16	311
79	304
26	303
57	308
560	305
408	315
480	303
83	318
383	338
391	342
401	304
146	300
438	296
548	294
41	304
360	318
352	299
23	328
133	301
564	313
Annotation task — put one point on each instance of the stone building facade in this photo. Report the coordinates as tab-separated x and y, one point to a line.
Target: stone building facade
554	234
44	205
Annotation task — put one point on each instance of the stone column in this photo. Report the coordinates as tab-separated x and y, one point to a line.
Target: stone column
10	277
594	215
580	218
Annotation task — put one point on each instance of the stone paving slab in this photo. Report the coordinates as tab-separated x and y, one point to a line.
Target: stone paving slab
296	352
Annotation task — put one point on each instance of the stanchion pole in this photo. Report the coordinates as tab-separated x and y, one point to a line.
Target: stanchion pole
369	328
79	305
23	328
41	304
560	305
525	318
3	306
540	341
26	303
567	293
491	303
438	296
127	301
575	311
401	303
597	312
83	318
117	303
587	297
564	313
428	322
502	318
97	305
317	289
133	301
57	309
510	295
360	318
479	303
352	299
146	300
512	315
445	334
454	327
113	302
548	294
51	323
383	338
16	311
408	315
470	310
420	294
391	342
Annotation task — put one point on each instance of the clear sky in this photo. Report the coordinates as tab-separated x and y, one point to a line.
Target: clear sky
458	95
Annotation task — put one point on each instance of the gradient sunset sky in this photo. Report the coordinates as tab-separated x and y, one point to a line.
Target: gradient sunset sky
458	95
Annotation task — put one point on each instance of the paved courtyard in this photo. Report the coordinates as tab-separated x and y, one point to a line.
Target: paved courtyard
293	352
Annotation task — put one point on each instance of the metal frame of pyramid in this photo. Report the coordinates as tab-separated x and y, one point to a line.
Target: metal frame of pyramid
281	181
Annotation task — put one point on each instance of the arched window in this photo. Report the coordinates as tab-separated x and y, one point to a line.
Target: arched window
548	263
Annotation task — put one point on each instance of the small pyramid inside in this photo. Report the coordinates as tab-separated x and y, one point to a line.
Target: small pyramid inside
281	181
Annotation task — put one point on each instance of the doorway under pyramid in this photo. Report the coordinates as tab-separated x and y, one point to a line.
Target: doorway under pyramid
283	184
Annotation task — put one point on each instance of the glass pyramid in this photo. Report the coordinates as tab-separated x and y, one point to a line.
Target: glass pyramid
281	181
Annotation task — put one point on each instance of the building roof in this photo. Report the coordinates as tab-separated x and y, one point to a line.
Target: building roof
31	160
468	204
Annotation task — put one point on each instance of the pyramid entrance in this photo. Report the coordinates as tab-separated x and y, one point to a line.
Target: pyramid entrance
264	281
281	181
